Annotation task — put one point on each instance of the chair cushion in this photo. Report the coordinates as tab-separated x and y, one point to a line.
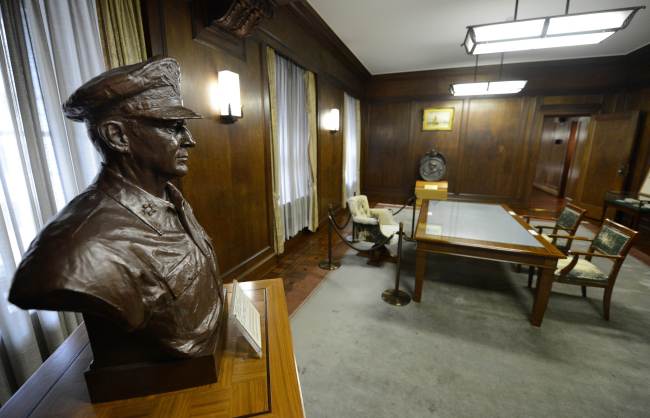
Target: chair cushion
384	215
584	270
358	206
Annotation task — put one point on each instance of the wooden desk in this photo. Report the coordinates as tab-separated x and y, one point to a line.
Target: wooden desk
486	231
247	386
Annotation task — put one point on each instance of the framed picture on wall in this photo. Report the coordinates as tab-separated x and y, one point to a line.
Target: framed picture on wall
438	119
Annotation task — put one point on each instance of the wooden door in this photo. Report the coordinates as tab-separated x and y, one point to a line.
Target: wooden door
606	161
552	154
573	175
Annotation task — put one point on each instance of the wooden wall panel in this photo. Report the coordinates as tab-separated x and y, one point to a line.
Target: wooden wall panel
495	146
492	148
385	170
330	150
229	180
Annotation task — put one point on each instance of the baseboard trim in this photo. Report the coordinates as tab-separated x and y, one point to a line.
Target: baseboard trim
547	189
253	268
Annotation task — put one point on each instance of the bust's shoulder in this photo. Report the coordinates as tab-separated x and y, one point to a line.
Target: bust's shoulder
77	258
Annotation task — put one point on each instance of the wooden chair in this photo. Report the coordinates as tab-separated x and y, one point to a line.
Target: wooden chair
565	226
612	242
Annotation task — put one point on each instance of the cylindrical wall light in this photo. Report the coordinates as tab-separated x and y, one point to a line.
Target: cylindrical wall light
331	120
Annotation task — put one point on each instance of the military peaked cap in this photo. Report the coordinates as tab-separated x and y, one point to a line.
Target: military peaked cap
150	89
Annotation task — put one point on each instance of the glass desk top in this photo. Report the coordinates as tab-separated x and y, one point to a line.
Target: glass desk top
477	221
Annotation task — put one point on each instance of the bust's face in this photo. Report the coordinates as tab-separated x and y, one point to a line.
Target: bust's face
160	145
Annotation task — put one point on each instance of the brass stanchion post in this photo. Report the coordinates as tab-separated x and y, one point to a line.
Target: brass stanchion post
413	219
396	296
328	264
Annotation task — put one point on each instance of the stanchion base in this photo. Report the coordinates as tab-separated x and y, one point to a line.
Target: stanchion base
396	297
325	265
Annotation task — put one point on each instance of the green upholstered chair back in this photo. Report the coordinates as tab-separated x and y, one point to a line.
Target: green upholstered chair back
569	218
611	240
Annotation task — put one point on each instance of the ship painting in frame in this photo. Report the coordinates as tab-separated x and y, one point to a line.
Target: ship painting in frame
438	119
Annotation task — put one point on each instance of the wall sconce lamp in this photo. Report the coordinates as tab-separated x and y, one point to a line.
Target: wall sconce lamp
226	97
331	120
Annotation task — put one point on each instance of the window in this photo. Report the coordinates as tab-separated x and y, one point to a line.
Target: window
351	147
293	144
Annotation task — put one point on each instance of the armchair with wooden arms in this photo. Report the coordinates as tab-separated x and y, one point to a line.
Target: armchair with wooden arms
612	242
373	225
561	232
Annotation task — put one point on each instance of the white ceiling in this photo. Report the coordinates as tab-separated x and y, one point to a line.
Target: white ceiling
390	36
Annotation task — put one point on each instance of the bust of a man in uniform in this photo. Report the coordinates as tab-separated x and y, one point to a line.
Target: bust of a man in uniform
128	252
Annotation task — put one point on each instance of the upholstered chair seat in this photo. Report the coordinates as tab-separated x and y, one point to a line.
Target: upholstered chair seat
583	270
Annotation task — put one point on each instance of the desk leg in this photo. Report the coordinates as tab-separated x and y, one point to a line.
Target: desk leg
542	293
420	271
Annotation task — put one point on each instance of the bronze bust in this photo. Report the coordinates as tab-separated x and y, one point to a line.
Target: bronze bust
128	252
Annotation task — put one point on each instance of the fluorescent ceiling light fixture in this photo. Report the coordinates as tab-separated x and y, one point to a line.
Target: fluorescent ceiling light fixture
547	32
541	43
487	88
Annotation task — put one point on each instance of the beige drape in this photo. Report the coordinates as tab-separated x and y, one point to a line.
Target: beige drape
275	151
120	26
312	118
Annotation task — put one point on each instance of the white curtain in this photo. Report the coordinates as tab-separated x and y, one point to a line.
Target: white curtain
351	147
293	146
48	48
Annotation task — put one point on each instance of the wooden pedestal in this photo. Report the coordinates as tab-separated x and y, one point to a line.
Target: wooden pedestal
430	190
112	383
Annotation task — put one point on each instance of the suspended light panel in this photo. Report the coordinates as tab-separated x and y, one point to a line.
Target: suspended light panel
547	32
487	88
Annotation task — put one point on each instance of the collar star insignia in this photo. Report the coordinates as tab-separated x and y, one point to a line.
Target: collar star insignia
148	209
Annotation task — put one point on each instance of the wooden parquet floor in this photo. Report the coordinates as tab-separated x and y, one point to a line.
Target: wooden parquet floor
298	266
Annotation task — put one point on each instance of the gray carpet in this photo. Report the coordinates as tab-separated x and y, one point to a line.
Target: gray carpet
468	349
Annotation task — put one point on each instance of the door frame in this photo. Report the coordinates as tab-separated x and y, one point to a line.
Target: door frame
561	110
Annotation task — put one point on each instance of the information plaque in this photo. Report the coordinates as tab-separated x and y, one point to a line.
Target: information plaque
246	318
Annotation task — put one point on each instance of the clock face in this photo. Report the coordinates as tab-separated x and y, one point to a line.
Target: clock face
433	168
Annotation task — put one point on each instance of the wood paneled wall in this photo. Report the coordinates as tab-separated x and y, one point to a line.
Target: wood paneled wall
494	147
228	184
330	150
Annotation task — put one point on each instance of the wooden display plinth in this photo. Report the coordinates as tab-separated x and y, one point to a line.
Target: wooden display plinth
430	190
247	385
150	378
